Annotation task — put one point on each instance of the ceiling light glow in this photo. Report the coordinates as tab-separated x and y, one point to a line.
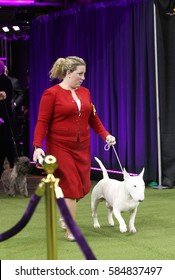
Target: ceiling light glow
16	28
5	29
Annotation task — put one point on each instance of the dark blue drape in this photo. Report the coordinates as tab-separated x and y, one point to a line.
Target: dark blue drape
117	42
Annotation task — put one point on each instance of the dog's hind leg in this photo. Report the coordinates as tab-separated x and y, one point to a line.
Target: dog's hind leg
94	205
6	188
110	214
11	190
132	220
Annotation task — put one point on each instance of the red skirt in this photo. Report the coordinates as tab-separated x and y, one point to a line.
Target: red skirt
74	164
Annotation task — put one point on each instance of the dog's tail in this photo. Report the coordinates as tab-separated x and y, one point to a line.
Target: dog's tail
105	173
6	164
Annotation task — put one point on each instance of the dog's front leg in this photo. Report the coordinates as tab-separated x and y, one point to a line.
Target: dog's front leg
22	186
122	224
132	221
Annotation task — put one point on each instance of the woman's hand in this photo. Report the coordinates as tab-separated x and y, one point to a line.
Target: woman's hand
37	154
2	95
110	140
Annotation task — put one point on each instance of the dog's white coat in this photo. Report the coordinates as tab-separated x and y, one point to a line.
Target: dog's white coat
119	196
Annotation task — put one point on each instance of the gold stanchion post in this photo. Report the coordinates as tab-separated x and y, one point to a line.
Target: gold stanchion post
49	165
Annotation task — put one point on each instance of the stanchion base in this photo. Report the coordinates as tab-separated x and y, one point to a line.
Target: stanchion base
159	187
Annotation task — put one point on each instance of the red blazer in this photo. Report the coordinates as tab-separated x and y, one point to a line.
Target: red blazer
60	119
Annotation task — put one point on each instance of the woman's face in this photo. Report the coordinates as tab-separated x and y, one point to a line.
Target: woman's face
76	77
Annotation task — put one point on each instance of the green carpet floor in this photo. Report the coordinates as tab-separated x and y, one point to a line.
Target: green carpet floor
154	240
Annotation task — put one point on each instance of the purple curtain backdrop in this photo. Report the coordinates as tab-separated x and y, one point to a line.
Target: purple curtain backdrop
117	42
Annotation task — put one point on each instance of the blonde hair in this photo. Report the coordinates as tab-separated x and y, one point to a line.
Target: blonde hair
61	65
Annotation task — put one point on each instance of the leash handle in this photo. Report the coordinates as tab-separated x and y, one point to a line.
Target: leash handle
107	147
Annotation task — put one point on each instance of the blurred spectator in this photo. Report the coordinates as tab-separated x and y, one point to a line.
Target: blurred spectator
7	144
26	117
16	103
17	96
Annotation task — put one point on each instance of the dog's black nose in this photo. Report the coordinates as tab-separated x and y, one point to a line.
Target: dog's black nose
140	200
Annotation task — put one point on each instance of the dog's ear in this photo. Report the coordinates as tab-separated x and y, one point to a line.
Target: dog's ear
125	174
142	172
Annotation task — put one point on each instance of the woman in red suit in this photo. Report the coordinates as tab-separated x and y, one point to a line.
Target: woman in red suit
66	114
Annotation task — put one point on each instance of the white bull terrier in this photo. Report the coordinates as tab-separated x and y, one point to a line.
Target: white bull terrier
119	196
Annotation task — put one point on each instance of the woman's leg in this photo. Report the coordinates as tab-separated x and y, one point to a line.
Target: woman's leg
72	206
